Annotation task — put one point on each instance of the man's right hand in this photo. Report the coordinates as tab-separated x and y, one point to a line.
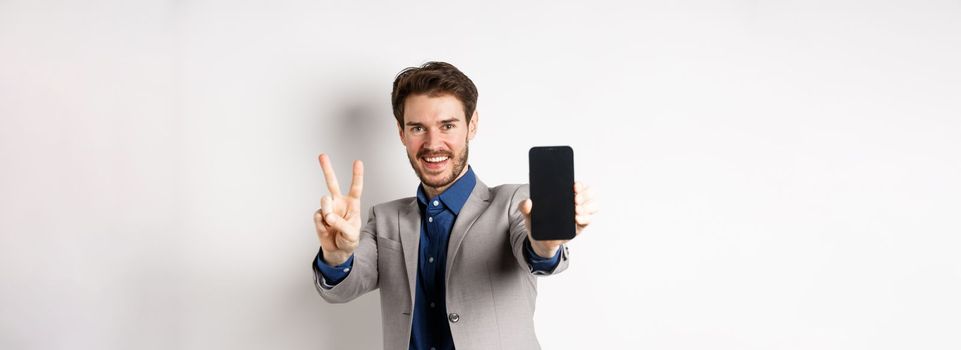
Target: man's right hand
338	219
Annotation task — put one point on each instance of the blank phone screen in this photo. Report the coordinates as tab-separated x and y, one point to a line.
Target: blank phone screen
552	191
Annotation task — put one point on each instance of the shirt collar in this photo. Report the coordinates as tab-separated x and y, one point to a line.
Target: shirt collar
455	196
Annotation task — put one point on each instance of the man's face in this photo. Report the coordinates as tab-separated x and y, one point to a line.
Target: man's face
436	134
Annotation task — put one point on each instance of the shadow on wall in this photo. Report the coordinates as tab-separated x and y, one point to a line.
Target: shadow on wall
365	132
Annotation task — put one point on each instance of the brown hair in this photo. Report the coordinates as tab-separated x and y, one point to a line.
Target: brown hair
433	79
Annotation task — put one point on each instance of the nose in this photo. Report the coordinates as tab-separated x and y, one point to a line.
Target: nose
434	140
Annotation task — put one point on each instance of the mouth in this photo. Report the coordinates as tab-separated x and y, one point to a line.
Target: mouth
435	163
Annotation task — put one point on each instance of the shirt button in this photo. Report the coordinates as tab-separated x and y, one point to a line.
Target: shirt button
432	305
430	259
346	269
433	348
453	317
430	219
436	203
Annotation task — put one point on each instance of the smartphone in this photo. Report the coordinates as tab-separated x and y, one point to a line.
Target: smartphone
552	191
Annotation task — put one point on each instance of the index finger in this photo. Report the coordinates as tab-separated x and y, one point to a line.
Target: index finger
329	176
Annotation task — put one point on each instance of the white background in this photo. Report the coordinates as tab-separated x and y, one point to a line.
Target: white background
773	174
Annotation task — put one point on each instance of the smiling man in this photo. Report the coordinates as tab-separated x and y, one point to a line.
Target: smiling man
455	264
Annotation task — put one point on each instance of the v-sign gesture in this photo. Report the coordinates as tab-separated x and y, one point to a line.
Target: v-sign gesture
338	219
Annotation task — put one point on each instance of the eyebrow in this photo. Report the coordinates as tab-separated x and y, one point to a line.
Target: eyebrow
445	121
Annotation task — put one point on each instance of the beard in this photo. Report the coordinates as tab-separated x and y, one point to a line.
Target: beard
459	162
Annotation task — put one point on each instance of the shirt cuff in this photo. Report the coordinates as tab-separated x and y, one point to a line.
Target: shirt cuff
539	265
332	275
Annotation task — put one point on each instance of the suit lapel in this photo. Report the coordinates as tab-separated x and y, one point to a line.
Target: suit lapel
478	201
409	222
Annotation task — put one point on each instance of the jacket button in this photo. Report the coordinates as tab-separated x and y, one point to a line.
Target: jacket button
453	317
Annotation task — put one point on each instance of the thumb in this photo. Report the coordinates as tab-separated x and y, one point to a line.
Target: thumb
526	206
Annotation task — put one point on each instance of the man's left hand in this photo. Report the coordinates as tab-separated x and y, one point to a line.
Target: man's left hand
584	208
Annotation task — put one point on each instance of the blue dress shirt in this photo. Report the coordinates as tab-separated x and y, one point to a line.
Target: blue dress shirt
430	329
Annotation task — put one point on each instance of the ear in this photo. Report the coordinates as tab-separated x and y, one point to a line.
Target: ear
400	132
472	128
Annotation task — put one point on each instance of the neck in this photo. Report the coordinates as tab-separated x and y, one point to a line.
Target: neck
436	191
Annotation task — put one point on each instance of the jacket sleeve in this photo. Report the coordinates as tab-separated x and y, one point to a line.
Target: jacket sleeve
363	274
518	233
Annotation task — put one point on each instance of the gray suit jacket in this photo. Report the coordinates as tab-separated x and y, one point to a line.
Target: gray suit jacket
490	287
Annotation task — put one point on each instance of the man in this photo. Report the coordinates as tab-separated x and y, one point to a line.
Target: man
455	264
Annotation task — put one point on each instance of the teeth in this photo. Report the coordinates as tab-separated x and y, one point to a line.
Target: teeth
435	159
